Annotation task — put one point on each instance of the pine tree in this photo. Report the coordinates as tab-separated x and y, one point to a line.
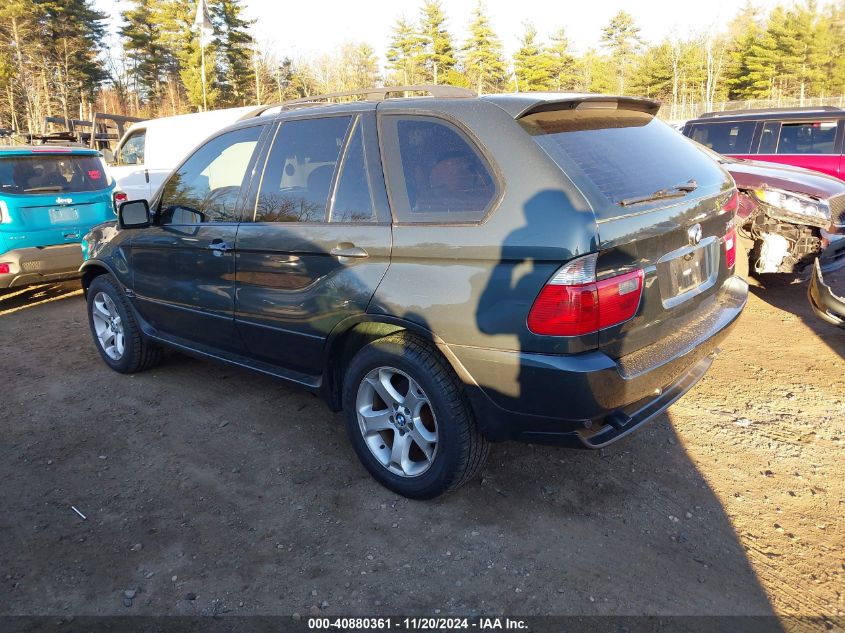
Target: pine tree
594	73
531	63
745	30
142	47
438	56
482	54
358	65
235	50
622	38
561	61
73	34
404	54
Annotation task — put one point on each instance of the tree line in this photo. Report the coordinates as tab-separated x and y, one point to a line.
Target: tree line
55	59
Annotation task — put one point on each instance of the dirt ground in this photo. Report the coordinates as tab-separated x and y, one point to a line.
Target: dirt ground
212	490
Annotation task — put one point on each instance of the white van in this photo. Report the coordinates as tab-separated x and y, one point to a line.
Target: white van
149	150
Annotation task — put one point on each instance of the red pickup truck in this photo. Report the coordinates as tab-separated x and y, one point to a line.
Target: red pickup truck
804	137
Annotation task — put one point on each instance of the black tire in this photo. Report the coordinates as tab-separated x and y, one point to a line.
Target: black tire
138	352
461	449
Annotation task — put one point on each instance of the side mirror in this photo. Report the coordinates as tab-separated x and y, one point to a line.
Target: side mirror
133	214
108	156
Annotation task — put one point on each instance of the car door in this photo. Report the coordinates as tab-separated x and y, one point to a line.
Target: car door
184	265
129	169
319	240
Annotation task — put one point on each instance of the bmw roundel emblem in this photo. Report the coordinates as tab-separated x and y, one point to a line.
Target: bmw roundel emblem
694	233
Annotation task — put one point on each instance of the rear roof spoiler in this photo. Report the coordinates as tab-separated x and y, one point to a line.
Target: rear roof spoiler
522	104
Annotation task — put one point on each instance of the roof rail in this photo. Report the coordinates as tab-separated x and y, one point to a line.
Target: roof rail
371	94
710	115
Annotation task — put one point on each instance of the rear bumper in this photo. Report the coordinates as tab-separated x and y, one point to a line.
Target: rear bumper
824	302
590	400
39	265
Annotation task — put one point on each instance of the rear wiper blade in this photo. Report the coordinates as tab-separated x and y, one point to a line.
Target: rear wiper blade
52	188
670	192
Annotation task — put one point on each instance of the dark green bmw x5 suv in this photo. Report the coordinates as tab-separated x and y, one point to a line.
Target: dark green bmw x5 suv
449	270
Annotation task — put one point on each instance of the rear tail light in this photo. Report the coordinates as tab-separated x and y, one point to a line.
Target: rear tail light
730	247
118	198
573	303
5	269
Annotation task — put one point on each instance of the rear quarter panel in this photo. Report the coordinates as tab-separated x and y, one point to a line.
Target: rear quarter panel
473	285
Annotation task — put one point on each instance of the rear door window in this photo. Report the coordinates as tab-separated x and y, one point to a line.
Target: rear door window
624	154
132	150
809	137
57	173
440	175
725	138
300	170
353	200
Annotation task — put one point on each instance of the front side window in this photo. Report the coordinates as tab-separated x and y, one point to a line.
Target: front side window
725	138
207	186
816	137
440	176
132	150
300	169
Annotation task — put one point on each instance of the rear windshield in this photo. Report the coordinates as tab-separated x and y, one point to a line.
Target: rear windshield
52	173
623	154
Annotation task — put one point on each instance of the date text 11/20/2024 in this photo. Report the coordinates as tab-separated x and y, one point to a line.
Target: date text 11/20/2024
416	624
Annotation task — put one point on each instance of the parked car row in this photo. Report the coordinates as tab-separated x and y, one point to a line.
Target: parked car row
448	271
789	216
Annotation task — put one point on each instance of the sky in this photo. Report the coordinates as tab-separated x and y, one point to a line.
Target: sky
303	29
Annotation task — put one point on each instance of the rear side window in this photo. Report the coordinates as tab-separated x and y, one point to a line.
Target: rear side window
57	173
207	186
300	170
132	150
624	154
725	138
816	137
440	176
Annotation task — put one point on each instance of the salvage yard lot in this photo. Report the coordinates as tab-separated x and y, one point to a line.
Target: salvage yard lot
210	490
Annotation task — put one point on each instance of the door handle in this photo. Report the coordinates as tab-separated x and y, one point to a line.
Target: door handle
219	247
345	249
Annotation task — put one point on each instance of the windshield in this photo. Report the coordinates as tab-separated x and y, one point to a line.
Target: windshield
625	155
52	173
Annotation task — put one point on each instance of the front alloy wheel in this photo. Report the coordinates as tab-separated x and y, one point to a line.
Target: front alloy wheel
108	326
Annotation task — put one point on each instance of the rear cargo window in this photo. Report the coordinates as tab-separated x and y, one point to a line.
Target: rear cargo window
816	137
440	176
623	154
725	138
52	173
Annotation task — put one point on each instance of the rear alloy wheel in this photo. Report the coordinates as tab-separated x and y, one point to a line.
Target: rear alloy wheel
396	421
408	418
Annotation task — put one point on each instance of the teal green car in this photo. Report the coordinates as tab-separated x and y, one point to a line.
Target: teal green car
50	197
